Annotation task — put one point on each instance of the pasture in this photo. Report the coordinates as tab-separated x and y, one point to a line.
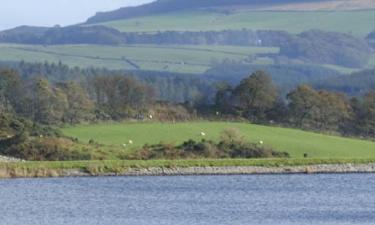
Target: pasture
169	58
357	22
194	59
296	142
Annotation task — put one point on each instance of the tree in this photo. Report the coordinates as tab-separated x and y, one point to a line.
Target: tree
321	110
121	96
10	91
333	110
79	105
47	104
224	98
256	95
303	103
364	114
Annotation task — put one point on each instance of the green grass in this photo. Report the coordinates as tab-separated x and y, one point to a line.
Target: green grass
359	22
171	58
296	142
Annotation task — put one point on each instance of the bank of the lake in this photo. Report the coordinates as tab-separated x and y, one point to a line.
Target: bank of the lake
184	167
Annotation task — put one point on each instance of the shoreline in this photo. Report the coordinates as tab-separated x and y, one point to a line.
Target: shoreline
9	172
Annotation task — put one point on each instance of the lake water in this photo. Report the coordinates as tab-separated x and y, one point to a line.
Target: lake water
188	200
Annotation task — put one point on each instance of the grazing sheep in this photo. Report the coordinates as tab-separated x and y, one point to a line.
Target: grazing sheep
150	116
261	142
130	142
203	134
124	145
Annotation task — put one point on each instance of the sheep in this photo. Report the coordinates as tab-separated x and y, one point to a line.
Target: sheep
203	134
130	142
261	142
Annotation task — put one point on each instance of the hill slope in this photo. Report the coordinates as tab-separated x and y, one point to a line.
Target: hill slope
166	6
295	142
358	23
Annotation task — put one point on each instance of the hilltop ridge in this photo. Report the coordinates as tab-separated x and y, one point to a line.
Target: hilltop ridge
166	6
225	6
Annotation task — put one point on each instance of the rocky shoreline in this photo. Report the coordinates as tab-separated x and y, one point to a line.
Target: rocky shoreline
248	170
189	171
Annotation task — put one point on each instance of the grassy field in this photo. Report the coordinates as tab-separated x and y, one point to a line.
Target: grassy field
295	142
171	58
358	22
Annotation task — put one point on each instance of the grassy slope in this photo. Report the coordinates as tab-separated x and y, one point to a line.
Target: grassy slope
183	58
296	142
356	22
169	58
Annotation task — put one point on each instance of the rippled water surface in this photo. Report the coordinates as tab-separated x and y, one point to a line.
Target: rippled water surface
188	200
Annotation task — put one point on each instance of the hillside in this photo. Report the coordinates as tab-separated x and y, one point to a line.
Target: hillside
218	39
172	58
357	83
168	6
290	140
358	23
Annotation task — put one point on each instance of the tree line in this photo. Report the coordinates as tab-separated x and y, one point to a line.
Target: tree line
171	87
106	97
256	98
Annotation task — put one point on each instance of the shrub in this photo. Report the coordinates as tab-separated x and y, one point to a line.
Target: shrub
232	145
49	149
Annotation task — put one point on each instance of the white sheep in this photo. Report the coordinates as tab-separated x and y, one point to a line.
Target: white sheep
130	142
124	145
261	142
203	134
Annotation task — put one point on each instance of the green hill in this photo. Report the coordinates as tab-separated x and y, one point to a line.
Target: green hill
295	142
358	23
228	7
179	59
165	6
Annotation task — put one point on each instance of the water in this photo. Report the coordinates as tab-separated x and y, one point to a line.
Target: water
198	200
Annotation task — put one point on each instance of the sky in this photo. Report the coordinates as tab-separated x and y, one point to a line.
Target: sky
15	13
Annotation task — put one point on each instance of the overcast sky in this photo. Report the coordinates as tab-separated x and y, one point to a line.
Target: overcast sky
51	12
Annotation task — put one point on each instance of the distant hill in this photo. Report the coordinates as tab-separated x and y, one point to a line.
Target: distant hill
321	37
166	6
62	35
355	84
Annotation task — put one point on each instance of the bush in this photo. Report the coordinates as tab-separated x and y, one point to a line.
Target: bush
232	145
250	150
46	149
